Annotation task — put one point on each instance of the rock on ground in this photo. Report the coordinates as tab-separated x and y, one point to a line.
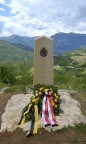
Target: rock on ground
71	112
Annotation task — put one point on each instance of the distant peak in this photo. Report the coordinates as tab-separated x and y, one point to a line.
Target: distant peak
14	35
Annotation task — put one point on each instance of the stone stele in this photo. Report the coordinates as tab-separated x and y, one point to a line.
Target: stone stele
43	61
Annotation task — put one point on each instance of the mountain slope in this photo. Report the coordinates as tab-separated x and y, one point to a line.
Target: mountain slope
24	47
66	42
62	42
79	56
10	52
20	40
76	58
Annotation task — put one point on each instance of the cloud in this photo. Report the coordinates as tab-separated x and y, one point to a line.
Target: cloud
82	12
1	26
2	1
2	9
39	17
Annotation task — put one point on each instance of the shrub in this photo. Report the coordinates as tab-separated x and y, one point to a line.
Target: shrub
7	75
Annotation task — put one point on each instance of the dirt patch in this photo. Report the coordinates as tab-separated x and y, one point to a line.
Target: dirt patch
4	97
69	136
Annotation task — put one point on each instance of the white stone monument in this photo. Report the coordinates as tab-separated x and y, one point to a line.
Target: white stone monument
43	61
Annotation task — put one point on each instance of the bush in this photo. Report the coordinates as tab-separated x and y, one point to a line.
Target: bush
7	75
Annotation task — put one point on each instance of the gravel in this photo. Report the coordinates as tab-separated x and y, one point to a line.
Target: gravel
71	112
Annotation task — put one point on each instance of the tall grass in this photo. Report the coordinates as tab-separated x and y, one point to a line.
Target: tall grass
70	79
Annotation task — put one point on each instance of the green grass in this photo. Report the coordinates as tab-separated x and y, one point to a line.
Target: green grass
2	85
17	89
81	127
70	79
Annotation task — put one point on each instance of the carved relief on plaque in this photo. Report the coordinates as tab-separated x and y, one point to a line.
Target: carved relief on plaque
43	52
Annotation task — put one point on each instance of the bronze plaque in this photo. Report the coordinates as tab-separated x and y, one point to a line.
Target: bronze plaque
43	52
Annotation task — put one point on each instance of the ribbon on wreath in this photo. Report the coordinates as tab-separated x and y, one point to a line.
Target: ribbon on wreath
23	117
47	109
34	119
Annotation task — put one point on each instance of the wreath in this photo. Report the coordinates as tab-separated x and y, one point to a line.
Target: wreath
46	102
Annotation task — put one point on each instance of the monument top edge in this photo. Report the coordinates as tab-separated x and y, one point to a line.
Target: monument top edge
39	37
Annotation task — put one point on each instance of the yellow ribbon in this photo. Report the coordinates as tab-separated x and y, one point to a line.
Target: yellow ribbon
36	120
23	119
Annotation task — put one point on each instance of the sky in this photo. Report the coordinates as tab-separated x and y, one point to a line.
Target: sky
42	17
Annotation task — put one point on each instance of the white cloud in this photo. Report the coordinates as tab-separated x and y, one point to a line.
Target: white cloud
2	1
39	17
2	9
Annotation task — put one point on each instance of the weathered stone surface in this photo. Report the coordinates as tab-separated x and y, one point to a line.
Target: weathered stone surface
43	61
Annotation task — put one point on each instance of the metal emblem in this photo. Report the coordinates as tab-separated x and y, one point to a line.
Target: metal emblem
43	52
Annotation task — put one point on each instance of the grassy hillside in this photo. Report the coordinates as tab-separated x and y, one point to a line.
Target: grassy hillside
68	72
9	52
79	55
74	58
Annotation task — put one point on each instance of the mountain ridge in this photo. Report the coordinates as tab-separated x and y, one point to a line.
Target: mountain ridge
62	42
67	42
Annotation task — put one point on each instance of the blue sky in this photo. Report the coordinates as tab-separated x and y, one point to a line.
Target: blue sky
42	17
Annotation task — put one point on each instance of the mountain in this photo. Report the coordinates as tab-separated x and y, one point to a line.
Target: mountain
66	42
24	47
10	52
62	42
22	41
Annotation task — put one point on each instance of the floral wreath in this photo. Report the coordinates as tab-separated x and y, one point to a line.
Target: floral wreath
46	102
